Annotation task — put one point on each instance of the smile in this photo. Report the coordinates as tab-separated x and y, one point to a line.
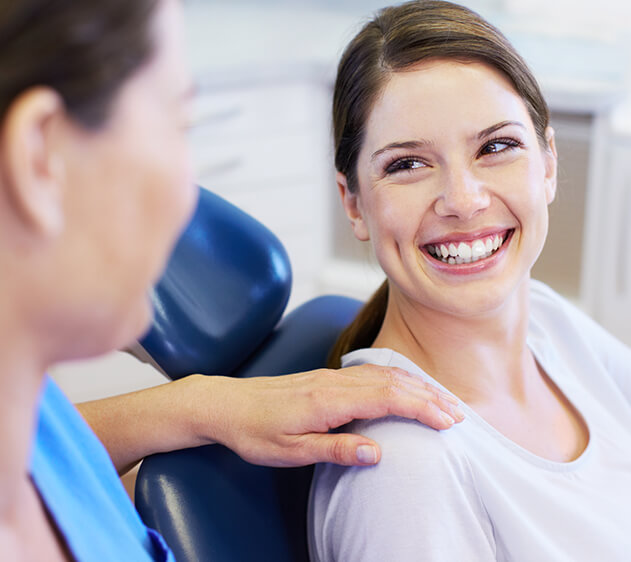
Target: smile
456	253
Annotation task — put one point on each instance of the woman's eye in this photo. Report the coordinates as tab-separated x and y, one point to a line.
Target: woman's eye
499	145
405	164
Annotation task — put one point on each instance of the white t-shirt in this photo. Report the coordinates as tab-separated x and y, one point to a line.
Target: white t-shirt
471	494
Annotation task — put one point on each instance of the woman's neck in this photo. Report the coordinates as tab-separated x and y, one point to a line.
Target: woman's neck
26	530
21	375
475	357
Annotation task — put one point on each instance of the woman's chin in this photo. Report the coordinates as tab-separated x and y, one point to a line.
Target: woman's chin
141	322
124	328
484	300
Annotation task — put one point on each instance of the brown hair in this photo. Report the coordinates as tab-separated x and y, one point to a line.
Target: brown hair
84	50
398	38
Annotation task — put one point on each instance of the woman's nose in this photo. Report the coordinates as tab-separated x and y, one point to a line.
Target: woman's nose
462	195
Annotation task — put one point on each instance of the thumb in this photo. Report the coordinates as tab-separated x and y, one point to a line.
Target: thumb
344	448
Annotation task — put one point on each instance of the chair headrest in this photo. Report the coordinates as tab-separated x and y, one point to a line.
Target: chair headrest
225	287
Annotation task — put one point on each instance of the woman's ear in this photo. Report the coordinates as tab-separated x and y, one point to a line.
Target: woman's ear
32	171
550	162
352	207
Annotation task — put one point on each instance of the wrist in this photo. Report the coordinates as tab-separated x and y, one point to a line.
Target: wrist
204	416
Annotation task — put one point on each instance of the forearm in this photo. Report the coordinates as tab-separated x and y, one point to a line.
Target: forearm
154	420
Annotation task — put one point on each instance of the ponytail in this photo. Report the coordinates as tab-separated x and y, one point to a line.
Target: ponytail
363	330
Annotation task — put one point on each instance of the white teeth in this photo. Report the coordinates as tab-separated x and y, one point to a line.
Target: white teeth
464	251
477	250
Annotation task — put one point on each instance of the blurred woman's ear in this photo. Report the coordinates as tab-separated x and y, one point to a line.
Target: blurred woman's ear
352	206
31	169
550	162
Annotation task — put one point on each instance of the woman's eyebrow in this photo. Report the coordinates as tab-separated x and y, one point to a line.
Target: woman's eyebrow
410	145
490	130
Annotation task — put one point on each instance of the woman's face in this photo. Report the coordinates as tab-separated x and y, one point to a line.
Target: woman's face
129	193
453	187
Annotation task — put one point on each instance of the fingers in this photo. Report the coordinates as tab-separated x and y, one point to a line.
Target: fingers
284	421
344	449
370	391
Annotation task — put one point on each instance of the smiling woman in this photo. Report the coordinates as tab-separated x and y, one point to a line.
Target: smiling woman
478	174
447	165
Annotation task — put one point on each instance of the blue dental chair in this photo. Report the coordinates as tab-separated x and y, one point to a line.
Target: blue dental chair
217	311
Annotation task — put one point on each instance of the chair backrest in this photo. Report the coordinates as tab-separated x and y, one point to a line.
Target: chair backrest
209	504
226	270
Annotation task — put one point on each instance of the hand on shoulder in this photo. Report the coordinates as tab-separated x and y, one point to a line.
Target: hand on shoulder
285	420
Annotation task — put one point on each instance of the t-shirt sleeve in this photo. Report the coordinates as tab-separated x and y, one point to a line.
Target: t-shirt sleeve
418	503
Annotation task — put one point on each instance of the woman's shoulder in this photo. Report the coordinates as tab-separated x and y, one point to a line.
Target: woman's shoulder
557	322
407	446
549	307
422	476
543	296
413	456
411	445
403	440
385	357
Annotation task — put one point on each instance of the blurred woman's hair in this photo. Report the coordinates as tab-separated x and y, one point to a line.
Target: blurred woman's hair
83	49
395	40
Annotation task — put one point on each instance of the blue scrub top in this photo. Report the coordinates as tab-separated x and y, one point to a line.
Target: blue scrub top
82	491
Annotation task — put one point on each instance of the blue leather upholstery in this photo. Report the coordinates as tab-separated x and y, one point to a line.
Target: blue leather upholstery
202	319
208	503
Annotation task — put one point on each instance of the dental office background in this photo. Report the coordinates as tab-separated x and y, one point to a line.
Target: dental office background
261	139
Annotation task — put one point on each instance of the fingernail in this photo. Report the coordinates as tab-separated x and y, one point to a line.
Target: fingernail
367	454
458	412
447	418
